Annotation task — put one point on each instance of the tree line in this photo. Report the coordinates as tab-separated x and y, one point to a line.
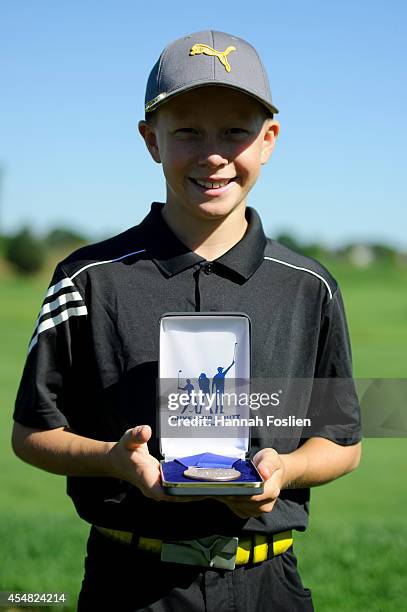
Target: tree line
27	253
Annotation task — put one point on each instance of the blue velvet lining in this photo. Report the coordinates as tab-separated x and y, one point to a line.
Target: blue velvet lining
207	460
173	471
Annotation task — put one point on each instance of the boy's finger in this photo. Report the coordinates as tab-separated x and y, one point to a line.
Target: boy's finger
267	465
265	469
266	462
137	436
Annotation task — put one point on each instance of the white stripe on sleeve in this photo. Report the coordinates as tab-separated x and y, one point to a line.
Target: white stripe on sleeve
54	321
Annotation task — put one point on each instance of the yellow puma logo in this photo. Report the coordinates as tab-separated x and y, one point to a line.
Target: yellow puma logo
221	55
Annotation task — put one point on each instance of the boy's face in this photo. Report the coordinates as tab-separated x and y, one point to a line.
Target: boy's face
211	142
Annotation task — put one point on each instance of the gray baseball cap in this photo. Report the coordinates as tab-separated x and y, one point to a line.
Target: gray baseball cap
207	58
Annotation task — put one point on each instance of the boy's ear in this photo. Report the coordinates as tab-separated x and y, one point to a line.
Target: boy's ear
148	134
272	130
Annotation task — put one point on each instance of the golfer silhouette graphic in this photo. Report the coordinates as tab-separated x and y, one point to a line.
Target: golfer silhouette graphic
189	387
218	383
204	386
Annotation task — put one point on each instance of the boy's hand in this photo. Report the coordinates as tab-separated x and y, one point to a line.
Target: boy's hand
131	461
272	469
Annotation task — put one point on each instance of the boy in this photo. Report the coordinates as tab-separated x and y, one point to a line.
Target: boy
86	403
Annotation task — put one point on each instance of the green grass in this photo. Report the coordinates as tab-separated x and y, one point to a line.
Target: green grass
45	551
376	305
353	554
356	565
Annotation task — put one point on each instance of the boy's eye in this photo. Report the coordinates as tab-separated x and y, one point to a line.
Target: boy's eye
236	130
185	131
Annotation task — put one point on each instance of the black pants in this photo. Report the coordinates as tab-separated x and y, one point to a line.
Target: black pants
121	578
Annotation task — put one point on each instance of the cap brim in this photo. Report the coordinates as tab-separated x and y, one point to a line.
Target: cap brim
163	98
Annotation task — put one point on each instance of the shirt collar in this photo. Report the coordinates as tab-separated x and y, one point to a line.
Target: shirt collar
172	256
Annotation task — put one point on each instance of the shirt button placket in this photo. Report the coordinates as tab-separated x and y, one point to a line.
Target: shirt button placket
205	285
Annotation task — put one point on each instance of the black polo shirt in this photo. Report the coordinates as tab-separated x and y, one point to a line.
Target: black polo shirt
92	362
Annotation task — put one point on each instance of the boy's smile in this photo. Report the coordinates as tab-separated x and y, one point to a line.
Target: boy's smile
211	142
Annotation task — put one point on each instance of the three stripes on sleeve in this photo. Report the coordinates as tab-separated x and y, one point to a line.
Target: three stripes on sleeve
61	302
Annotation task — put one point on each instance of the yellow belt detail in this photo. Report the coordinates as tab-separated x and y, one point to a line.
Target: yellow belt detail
281	542
261	548
115	534
243	551
150	544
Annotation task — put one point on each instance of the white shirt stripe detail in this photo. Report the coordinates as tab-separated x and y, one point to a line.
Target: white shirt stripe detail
62	316
285	263
65	297
65	282
99	263
75	296
61	300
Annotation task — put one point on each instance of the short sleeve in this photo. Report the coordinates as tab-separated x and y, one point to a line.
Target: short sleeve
40	399
334	407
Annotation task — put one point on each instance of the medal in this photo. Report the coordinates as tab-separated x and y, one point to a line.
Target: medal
212	474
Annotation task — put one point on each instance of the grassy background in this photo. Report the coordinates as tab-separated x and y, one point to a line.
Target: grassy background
353	554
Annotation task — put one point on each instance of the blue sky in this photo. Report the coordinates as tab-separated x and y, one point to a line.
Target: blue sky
73	76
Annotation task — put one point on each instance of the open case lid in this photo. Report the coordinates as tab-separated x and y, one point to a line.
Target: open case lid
195	346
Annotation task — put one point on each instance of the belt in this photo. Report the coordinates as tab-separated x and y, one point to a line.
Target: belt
222	552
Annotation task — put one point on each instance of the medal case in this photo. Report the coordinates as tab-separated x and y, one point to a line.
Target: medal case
194	346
